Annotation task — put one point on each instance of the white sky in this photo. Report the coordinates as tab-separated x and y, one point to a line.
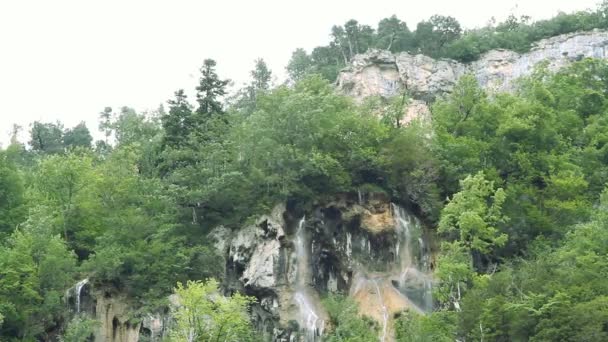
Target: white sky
66	60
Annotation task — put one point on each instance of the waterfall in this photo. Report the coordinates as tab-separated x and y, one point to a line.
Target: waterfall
384	311
415	281
349	245
76	291
309	317
79	287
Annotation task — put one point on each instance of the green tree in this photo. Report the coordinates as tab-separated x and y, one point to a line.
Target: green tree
79	329
131	127
46	138
471	221
433	35
394	35
245	99
474	213
178	123
261	76
105	123
35	269
437	326
12	199
327	61
411	169
299	65
347	322
60	181
210	90
76	137
203	314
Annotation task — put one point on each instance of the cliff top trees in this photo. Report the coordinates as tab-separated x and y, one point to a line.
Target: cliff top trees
433	35
439	37
394	35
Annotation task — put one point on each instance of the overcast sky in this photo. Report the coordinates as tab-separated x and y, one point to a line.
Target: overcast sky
67	60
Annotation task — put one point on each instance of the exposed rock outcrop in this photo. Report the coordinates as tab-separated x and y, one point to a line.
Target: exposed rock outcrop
382	73
364	247
113	312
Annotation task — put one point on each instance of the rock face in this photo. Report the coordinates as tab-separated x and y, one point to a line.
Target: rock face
382	73
113	311
359	245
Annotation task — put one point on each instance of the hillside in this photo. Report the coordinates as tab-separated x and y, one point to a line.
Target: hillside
416	198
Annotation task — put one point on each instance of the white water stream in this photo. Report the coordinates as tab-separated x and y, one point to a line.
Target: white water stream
385	314
76	291
414	281
309	317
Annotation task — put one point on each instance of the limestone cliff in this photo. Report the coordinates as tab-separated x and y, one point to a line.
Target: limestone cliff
363	246
385	74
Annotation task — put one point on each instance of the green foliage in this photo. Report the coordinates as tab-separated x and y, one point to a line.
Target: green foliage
394	35
46	137
300	142
473	213
560	294
433	35
79	329
12	201
299	65
348	325
204	314
105	123
210	90
35	269
135	220
60	182
178	123
411	168
245	100
77	137
544	148
438	326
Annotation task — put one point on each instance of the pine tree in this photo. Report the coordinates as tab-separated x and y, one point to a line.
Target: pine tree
79	136
178	123
105	124
261	75
210	90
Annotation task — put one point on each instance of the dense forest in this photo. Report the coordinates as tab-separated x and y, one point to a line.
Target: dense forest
515	186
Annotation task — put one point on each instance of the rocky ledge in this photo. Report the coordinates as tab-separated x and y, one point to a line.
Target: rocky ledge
382	73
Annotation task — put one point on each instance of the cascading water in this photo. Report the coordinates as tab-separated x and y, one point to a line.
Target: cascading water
384	311
414	281
76	291
309	317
